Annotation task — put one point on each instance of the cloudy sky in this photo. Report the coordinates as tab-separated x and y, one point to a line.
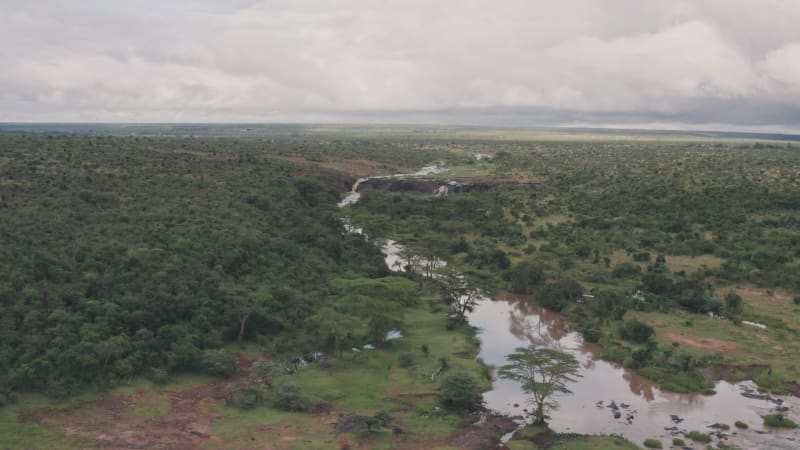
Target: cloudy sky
714	64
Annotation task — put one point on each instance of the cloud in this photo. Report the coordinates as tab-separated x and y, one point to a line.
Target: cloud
342	60
783	66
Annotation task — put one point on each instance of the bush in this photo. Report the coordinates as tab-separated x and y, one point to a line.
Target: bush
678	442
406	359
289	397
741	425
249	397
526	275
626	270
699	437
635	331
159	375
591	334
460	392
558	295
797	300
220	362
779	421
652	443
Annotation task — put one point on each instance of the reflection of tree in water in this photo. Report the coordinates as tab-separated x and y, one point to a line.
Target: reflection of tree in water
531	322
535	324
640	386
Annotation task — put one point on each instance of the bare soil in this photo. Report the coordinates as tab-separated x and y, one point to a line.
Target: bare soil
352	167
710	344
476	436
187	425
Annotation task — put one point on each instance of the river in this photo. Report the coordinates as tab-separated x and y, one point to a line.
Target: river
606	398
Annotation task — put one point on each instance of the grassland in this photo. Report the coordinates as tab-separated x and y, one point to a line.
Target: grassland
355	383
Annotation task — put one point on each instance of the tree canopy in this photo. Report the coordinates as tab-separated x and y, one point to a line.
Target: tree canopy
542	373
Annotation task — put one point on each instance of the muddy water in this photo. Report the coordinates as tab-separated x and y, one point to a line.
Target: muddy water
642	410
608	399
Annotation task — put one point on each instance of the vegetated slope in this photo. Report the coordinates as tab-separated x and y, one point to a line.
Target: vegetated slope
650	230
123	254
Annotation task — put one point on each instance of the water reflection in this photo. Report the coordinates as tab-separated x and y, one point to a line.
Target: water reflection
611	399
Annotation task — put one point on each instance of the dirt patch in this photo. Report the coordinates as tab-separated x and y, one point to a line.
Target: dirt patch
353	167
108	421
710	344
483	435
753	292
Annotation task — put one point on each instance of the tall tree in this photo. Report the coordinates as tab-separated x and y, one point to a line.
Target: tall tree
543	373
245	303
334	327
459	293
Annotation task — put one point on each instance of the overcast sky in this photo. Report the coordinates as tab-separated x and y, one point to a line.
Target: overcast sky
713	64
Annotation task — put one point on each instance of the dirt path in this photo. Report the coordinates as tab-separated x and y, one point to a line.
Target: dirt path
714	345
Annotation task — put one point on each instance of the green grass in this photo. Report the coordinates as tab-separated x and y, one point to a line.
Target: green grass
522	445
699	437
273	427
652	443
365	383
16	433
360	384
534	437
370	381
151	406
756	348
779	421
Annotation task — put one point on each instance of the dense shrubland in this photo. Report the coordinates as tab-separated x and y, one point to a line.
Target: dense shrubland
644	227
127	256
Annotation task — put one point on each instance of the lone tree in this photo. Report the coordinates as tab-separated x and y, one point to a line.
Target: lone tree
459	293
543	372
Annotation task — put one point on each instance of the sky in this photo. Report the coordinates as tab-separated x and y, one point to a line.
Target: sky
699	64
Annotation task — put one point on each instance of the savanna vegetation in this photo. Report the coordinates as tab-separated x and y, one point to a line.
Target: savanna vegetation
132	265
679	257
208	275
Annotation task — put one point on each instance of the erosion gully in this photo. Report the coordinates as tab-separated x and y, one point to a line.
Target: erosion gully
606	398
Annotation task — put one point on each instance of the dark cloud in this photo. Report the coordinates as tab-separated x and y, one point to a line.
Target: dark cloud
731	63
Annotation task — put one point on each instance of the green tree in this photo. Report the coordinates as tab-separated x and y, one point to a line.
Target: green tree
543	373
636	331
459	391
245	303
459	293
558	295
733	304
268	371
526	275
334	327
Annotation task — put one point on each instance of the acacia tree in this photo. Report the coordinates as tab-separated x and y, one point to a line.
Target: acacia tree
459	293
244	303
334	327
543	373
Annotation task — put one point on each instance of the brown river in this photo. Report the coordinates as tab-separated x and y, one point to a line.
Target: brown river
609	399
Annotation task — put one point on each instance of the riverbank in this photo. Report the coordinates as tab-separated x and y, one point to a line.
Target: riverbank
537	438
192	411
